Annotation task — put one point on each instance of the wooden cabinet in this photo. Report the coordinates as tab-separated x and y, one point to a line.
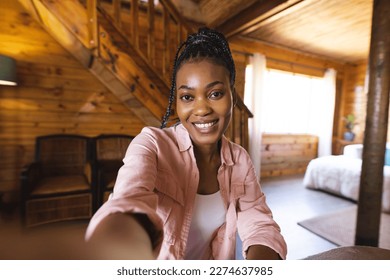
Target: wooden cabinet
286	154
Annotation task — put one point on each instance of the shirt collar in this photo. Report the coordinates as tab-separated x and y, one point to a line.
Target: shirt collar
183	138
184	143
226	152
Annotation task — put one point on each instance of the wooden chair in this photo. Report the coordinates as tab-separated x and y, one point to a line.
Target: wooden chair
58	185
109	149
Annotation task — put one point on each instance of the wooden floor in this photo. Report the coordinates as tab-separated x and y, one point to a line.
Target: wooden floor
290	203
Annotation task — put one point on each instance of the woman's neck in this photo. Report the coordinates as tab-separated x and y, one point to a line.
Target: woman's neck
208	153
208	161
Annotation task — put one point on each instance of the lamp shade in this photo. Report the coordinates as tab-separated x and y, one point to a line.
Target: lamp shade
7	71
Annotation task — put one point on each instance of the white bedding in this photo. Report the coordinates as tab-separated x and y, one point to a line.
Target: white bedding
341	175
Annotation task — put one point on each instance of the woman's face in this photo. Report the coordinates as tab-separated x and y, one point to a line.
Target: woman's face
204	100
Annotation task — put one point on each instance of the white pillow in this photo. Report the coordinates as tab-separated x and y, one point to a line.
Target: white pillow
354	151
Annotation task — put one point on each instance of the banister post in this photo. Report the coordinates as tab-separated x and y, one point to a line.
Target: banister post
92	26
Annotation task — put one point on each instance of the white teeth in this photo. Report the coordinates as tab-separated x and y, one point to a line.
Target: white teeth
204	125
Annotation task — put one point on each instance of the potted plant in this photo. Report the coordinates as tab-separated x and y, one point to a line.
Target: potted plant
349	120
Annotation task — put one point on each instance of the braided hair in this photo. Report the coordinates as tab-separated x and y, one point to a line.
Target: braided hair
206	43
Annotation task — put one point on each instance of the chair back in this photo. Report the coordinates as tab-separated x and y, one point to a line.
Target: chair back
111	147
62	154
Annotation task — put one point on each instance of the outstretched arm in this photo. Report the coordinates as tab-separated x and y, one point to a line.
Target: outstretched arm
261	252
121	236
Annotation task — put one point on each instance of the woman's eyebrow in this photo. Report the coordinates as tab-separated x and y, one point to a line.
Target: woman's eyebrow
185	87
210	85
213	84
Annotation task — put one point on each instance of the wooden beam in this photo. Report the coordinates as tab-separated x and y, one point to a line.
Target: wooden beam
371	180
279	12
252	15
284	55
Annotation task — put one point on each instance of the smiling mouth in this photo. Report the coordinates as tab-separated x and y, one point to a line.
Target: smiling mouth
205	125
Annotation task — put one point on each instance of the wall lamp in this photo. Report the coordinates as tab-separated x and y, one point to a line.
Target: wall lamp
7	71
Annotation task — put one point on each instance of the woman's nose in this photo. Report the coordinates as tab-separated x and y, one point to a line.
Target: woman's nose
201	107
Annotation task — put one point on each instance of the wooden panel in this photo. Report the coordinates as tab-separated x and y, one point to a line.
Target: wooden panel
338	29
355	99
285	154
11	160
214	13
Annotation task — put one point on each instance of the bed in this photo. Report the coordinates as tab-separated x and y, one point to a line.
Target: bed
340	175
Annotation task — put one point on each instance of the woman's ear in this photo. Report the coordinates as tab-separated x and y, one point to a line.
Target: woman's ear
234	97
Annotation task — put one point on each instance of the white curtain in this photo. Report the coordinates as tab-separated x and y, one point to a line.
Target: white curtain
254	88
323	118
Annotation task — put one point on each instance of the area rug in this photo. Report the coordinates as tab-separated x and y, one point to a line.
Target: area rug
339	227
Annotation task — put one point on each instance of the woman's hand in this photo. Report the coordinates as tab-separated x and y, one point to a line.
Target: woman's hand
121	236
261	252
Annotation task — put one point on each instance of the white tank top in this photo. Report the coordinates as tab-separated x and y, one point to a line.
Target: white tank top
209	214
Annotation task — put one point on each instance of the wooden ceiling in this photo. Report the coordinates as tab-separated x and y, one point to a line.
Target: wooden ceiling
338	30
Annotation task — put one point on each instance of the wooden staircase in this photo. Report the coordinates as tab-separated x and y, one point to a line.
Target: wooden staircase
129	45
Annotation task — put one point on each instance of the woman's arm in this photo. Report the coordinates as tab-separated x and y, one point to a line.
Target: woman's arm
121	236
128	221
255	223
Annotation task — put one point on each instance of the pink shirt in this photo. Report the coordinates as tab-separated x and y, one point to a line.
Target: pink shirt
160	178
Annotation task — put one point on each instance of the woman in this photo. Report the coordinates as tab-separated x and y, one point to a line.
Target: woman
184	191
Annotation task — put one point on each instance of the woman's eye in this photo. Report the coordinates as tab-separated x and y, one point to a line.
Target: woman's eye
186	98
216	94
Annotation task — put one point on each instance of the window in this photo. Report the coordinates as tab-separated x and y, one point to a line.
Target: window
290	102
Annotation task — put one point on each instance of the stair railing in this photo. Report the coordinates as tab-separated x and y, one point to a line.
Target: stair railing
154	28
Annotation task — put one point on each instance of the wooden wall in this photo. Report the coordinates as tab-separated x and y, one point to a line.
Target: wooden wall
355	99
55	94
286	154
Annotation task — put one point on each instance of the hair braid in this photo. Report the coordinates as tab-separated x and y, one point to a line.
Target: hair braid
172	90
206	43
